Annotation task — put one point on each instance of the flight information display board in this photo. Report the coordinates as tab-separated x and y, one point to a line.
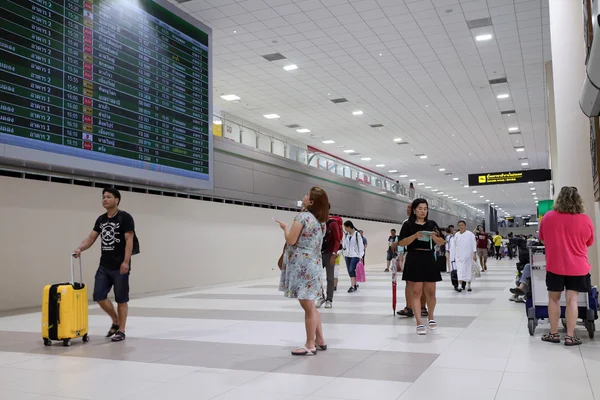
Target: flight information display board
117	81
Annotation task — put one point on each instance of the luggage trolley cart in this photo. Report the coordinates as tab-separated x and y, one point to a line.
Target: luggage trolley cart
537	300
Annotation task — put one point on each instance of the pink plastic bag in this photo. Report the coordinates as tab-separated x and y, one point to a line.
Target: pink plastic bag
360	272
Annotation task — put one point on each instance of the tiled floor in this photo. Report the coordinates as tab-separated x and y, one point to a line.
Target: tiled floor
233	342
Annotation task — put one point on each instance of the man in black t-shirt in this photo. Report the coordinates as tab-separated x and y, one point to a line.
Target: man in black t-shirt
116	231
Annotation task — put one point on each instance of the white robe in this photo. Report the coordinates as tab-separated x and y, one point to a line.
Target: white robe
464	246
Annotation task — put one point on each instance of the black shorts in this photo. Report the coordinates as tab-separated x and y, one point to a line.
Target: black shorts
106	279
420	266
558	283
391	255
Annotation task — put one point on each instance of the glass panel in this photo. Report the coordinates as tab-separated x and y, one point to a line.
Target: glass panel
264	142
278	147
248	137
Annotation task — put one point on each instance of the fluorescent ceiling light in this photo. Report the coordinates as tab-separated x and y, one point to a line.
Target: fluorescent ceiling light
520	149
503	96
482	197
412	180
531	182
423	157
524	164
398	140
420	184
328	142
466	186
446	195
535	198
271	116
366	159
492	203
534	194
474	191
442	169
290	67
303	130
532	189
481	38
231	97
358	112
349	151
434	190
403	176
487	201
217	122
441	193
427	187
391	171
380	165
455	179
513	129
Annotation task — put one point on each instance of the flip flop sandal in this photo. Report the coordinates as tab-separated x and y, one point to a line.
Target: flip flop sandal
304	352
551	338
406	312
119	337
572	341
321	347
113	329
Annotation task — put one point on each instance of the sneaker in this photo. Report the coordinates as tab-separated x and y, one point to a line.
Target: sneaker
319	303
328	304
351	290
421	330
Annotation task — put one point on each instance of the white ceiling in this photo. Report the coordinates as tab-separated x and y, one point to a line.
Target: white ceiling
412	65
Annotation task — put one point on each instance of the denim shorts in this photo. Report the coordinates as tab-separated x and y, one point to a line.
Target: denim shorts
107	279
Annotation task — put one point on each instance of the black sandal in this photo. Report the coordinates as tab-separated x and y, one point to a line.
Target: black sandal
406	312
119	337
320	347
551	338
572	341
113	329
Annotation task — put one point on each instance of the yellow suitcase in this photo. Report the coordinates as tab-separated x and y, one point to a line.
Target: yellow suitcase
65	310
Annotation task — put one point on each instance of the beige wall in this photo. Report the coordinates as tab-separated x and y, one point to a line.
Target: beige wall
184	243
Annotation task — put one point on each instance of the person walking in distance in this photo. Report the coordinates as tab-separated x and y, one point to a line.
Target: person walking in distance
116	231
365	244
497	244
420	234
482	247
391	254
464	251
329	250
355	250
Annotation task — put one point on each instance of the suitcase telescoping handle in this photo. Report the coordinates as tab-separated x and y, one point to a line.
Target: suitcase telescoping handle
73	269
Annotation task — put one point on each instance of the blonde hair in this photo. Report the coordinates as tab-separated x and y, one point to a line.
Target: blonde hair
569	201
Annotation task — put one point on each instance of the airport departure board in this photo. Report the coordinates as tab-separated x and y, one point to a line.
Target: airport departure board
123	82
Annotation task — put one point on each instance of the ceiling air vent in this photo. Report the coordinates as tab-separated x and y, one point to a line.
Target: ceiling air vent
448	173
402	143
479	23
376	126
508	112
514	133
340	100
498	81
274	57
293	126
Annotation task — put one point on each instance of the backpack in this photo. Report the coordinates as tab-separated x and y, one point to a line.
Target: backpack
136	242
327	237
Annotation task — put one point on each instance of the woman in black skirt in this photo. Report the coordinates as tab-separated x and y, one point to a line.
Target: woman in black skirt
420	236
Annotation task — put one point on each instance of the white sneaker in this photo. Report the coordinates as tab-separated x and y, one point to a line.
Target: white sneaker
421	330
328	304
319	303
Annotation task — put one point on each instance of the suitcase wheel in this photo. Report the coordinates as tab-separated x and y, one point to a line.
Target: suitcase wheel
47	342
67	342
86	338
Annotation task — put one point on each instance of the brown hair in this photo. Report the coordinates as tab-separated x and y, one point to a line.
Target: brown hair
320	206
569	201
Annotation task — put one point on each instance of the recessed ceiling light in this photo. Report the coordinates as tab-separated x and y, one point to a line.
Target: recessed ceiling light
520	149
530	182
434	190
487	201
474	191
423	157
231	97
271	116
328	142
535	198
366	159
531	188
303	130
442	169
446	195
492	203
391	171
440	192
412	180
349	151
380	165
398	140
358	112
524	164
427	187
534	194
420	184
513	129
455	179
290	67
481	38
403	176
466	186
503	96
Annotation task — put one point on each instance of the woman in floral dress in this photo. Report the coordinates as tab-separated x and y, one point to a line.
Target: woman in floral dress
302	265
